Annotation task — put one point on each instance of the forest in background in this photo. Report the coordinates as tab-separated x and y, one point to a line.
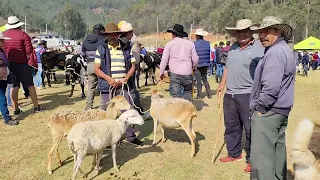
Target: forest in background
73	18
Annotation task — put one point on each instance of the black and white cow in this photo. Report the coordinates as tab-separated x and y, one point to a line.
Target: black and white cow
148	65
76	68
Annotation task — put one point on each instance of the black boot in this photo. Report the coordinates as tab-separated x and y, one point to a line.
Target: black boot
207	86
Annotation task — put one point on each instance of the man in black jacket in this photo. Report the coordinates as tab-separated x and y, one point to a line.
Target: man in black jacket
89	48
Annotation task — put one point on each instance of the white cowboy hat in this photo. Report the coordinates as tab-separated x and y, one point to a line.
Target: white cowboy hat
13	22
241	25
126	27
2	36
201	32
274	22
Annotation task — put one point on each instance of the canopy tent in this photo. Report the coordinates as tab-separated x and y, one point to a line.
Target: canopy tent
217	42
311	43
3	28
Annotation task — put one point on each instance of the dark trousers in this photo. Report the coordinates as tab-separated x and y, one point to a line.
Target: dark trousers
237	116
201	75
268	152
92	85
178	82
105	99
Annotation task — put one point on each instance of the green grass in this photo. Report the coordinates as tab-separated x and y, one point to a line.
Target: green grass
23	149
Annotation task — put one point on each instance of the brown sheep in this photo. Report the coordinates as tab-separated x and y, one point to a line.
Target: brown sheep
62	121
173	113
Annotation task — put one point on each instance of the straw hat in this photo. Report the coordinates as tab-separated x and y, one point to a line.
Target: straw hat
241	25
274	22
126	27
3	37
13	22
201	32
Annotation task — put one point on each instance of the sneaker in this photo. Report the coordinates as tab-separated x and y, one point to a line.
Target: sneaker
231	159
17	112
12	122
38	109
136	141
248	168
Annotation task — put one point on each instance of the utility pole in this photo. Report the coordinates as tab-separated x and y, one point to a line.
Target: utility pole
46	28
25	24
307	20
190	32
157	31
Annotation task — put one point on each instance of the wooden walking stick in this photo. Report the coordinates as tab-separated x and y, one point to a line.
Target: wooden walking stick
219	122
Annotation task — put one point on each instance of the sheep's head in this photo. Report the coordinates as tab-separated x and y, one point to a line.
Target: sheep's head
120	103
131	117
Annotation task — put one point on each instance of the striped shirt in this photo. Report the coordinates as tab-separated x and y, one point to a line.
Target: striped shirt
118	69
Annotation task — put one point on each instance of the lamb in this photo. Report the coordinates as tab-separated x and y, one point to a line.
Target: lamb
306	151
173	113
62	121
92	137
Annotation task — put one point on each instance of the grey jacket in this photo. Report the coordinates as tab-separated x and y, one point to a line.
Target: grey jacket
273	87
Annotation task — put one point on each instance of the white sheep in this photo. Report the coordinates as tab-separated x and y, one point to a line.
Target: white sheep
173	113
92	137
62	121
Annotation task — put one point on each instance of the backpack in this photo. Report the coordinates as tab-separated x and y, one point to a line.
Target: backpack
223	57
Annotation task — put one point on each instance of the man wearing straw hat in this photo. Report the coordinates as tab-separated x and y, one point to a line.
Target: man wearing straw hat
242	59
271	100
127	38
114	66
203	50
182	58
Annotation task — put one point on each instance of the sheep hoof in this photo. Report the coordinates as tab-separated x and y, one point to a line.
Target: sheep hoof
192	155
164	140
116	169
153	145
49	172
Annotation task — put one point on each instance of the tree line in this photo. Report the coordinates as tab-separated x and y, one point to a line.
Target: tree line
212	15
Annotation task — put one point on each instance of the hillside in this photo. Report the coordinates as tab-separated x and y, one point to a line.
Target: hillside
213	15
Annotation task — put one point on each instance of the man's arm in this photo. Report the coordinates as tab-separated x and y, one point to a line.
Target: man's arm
271	80
28	44
195	57
132	70
165	59
99	72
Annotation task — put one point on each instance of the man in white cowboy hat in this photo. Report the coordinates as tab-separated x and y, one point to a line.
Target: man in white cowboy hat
114	66
182	58
131	44
203	50
18	50
271	100
241	61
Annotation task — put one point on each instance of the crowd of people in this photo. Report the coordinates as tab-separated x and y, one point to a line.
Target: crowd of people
258	76
308	61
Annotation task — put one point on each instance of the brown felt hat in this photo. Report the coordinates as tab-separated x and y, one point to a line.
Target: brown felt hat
111	28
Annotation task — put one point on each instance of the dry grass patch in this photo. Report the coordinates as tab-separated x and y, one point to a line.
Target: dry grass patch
24	148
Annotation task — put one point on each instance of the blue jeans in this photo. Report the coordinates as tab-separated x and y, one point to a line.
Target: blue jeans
211	69
9	97
3	104
219	71
37	78
170	90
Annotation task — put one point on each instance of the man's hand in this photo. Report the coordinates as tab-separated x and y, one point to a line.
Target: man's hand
259	114
220	89
112	82
161	77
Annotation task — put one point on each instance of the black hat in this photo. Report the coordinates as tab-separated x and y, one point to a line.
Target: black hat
98	27
178	30
221	43
43	42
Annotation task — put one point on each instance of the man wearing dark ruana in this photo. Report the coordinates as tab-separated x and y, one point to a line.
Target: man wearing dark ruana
115	67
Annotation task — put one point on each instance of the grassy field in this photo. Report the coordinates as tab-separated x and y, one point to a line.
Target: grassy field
23	149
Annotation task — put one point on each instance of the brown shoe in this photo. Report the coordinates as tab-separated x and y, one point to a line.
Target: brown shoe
231	159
